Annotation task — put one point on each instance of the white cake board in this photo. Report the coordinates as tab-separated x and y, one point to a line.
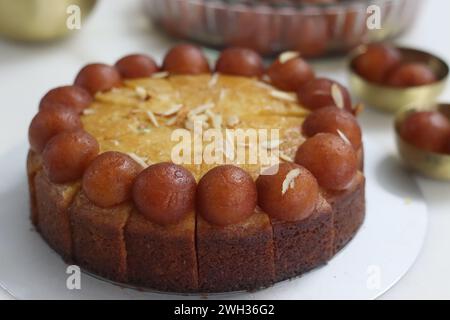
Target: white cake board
381	253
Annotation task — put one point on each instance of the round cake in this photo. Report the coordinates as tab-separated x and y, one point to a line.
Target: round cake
186	178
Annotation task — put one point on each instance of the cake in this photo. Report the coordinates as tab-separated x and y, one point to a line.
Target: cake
107	194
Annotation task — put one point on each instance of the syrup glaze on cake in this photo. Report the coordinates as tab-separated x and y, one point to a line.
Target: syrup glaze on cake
197	250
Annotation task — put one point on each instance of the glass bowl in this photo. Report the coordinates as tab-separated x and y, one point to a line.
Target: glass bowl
271	27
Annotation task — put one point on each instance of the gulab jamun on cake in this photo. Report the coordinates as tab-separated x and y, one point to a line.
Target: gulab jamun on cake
111	191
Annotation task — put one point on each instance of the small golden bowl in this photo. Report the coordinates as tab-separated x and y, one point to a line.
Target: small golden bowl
392	99
430	164
40	20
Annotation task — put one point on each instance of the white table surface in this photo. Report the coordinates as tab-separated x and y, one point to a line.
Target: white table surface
117	28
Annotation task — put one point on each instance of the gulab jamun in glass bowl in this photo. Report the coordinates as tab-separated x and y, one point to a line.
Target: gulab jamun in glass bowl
312	27
423	140
390	78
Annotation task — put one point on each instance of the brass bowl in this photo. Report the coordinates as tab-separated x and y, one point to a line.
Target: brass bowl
429	164
393	99
39	20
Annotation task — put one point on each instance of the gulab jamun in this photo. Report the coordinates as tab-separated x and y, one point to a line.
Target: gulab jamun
330	120
136	66
49	122
353	30
377	62
185	59
164	193
68	154
226	195
73	97
291	194
321	92
330	159
290	75
109	178
240	62
447	145
314	38
427	130
98	77
411	75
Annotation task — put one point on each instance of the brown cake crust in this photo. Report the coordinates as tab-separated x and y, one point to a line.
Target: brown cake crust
34	164
348	211
235	257
161	257
98	237
303	245
52	203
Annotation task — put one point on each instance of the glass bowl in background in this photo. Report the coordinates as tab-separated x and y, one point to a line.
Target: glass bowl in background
313	29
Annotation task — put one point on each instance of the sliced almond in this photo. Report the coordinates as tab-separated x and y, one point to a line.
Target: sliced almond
201	119
171	111
358	109
189	124
153	119
138	159
266	78
88	111
213	81
160	75
265	85
283	95
201	109
272	144
223	93
283	156
288	55
289	181
171	121
216	119
258	209
343	137
141	93
337	96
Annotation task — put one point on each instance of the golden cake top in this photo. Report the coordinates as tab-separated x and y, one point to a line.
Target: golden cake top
141	118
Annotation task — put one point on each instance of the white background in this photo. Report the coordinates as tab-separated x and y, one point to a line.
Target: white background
117	28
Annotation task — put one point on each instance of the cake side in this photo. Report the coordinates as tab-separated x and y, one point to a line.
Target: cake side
161	258
52	203
34	164
348	211
274	257
98	239
303	245
236	257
